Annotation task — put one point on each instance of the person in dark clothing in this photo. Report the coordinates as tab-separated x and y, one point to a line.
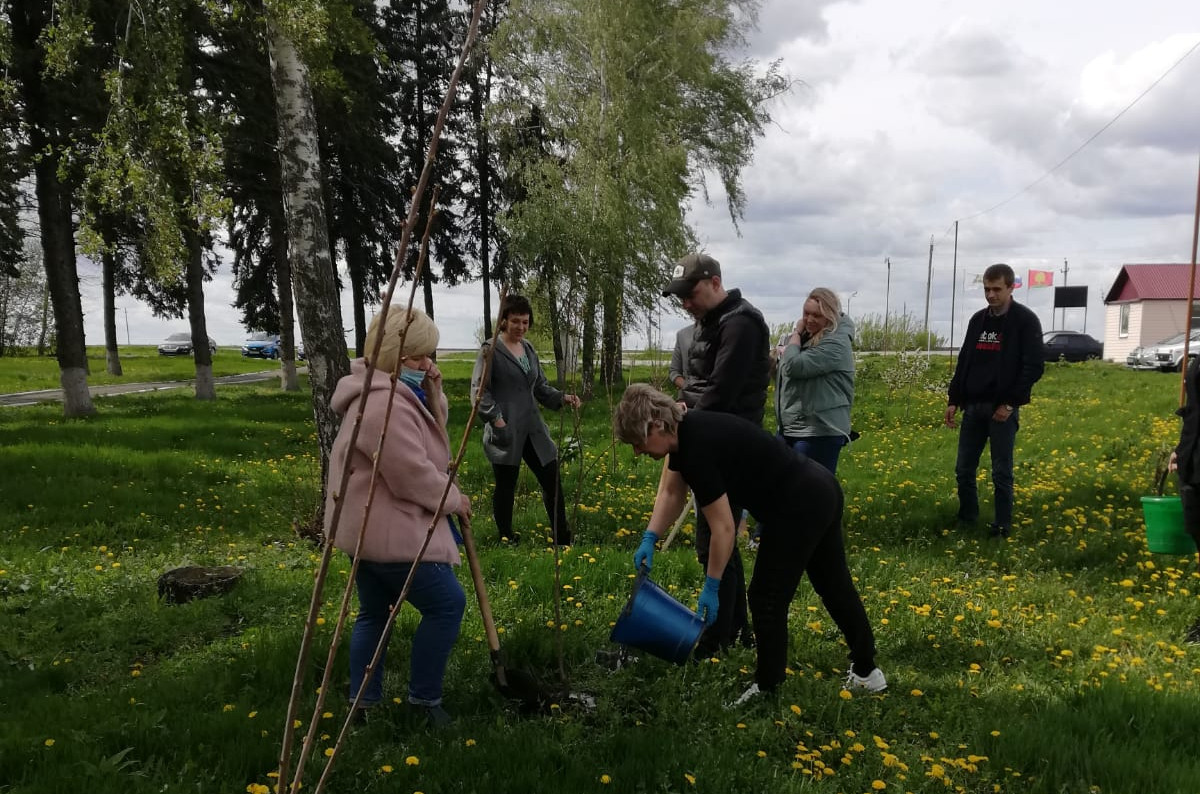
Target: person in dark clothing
1185	460
1000	360
727	365
725	459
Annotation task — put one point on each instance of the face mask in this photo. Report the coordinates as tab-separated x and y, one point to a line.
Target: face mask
412	377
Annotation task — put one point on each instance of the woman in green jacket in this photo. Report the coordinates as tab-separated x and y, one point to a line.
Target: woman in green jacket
814	386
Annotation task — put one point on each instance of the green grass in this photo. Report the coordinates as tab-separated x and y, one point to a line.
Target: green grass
139	364
1048	663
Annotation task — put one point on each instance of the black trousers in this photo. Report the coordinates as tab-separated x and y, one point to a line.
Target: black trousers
1190	498
732	619
552	494
805	536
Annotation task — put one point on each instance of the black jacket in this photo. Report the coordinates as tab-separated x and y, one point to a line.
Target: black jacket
1021	360
727	362
1187	453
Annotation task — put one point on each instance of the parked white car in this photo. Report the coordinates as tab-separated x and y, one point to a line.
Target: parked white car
1165	356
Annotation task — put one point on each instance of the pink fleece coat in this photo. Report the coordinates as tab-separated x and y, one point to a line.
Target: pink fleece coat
412	474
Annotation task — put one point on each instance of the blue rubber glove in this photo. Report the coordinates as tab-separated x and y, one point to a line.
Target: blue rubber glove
645	551
709	602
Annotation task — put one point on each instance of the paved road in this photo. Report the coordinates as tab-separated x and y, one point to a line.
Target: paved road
48	395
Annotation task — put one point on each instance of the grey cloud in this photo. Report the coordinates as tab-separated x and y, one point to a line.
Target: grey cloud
783	21
968	54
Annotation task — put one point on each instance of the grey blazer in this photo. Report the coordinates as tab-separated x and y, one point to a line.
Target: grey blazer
513	394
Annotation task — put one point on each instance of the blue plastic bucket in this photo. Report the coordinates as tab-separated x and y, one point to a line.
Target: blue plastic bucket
654	622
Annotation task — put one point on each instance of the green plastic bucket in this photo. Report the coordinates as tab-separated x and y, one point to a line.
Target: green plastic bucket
1164	526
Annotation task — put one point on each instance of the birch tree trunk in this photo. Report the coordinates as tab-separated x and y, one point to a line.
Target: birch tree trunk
288	379
317	299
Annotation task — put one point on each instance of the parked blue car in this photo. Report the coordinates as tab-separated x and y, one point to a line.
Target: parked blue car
261	345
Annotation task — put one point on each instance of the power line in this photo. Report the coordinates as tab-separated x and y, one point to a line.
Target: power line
1084	145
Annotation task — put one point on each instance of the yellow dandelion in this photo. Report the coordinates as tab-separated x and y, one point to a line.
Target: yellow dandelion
470	742
878	785
761	753
49	742
386	769
845	694
691	779
917	693
796	709
412	760
328	752
605	779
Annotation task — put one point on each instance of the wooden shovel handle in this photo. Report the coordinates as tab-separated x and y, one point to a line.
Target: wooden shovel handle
485	608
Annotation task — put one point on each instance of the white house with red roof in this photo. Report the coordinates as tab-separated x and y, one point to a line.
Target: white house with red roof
1145	305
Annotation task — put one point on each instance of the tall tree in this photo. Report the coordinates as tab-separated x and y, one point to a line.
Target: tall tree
241	82
308	231
642	102
46	94
359	119
484	178
422	47
158	160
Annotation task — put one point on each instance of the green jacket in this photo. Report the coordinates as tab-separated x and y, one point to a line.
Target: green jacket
814	386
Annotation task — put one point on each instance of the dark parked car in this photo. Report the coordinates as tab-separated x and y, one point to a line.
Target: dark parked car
261	345
181	345
1070	346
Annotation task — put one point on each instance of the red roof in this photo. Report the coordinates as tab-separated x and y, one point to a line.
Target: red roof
1151	283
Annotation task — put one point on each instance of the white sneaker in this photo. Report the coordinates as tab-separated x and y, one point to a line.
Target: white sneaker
875	681
752	692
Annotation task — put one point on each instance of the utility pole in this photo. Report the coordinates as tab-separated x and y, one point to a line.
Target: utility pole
1065	270
954	290
887	297
928	286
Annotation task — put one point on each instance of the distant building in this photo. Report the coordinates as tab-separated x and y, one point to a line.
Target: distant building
1145	305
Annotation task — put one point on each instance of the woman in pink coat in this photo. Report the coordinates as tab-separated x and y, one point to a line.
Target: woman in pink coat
411	478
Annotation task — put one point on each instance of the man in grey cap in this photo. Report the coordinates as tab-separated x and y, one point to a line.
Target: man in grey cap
727	365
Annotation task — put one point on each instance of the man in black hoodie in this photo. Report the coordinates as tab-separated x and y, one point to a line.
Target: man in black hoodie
1000	360
727	365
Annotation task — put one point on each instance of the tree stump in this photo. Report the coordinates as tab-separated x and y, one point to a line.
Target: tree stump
180	585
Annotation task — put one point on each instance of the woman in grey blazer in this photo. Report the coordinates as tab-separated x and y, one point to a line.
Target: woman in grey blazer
515	429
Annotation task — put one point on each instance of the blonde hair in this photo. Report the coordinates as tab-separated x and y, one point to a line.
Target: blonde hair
421	338
830	307
641	405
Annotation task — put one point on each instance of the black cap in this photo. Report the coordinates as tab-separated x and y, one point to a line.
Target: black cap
689	270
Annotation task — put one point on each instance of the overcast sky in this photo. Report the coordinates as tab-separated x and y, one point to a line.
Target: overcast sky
912	115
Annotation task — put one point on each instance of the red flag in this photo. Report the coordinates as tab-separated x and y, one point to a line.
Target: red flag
1041	278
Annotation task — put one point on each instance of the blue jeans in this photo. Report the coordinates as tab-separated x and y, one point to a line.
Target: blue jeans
976	428
823	449
437	595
